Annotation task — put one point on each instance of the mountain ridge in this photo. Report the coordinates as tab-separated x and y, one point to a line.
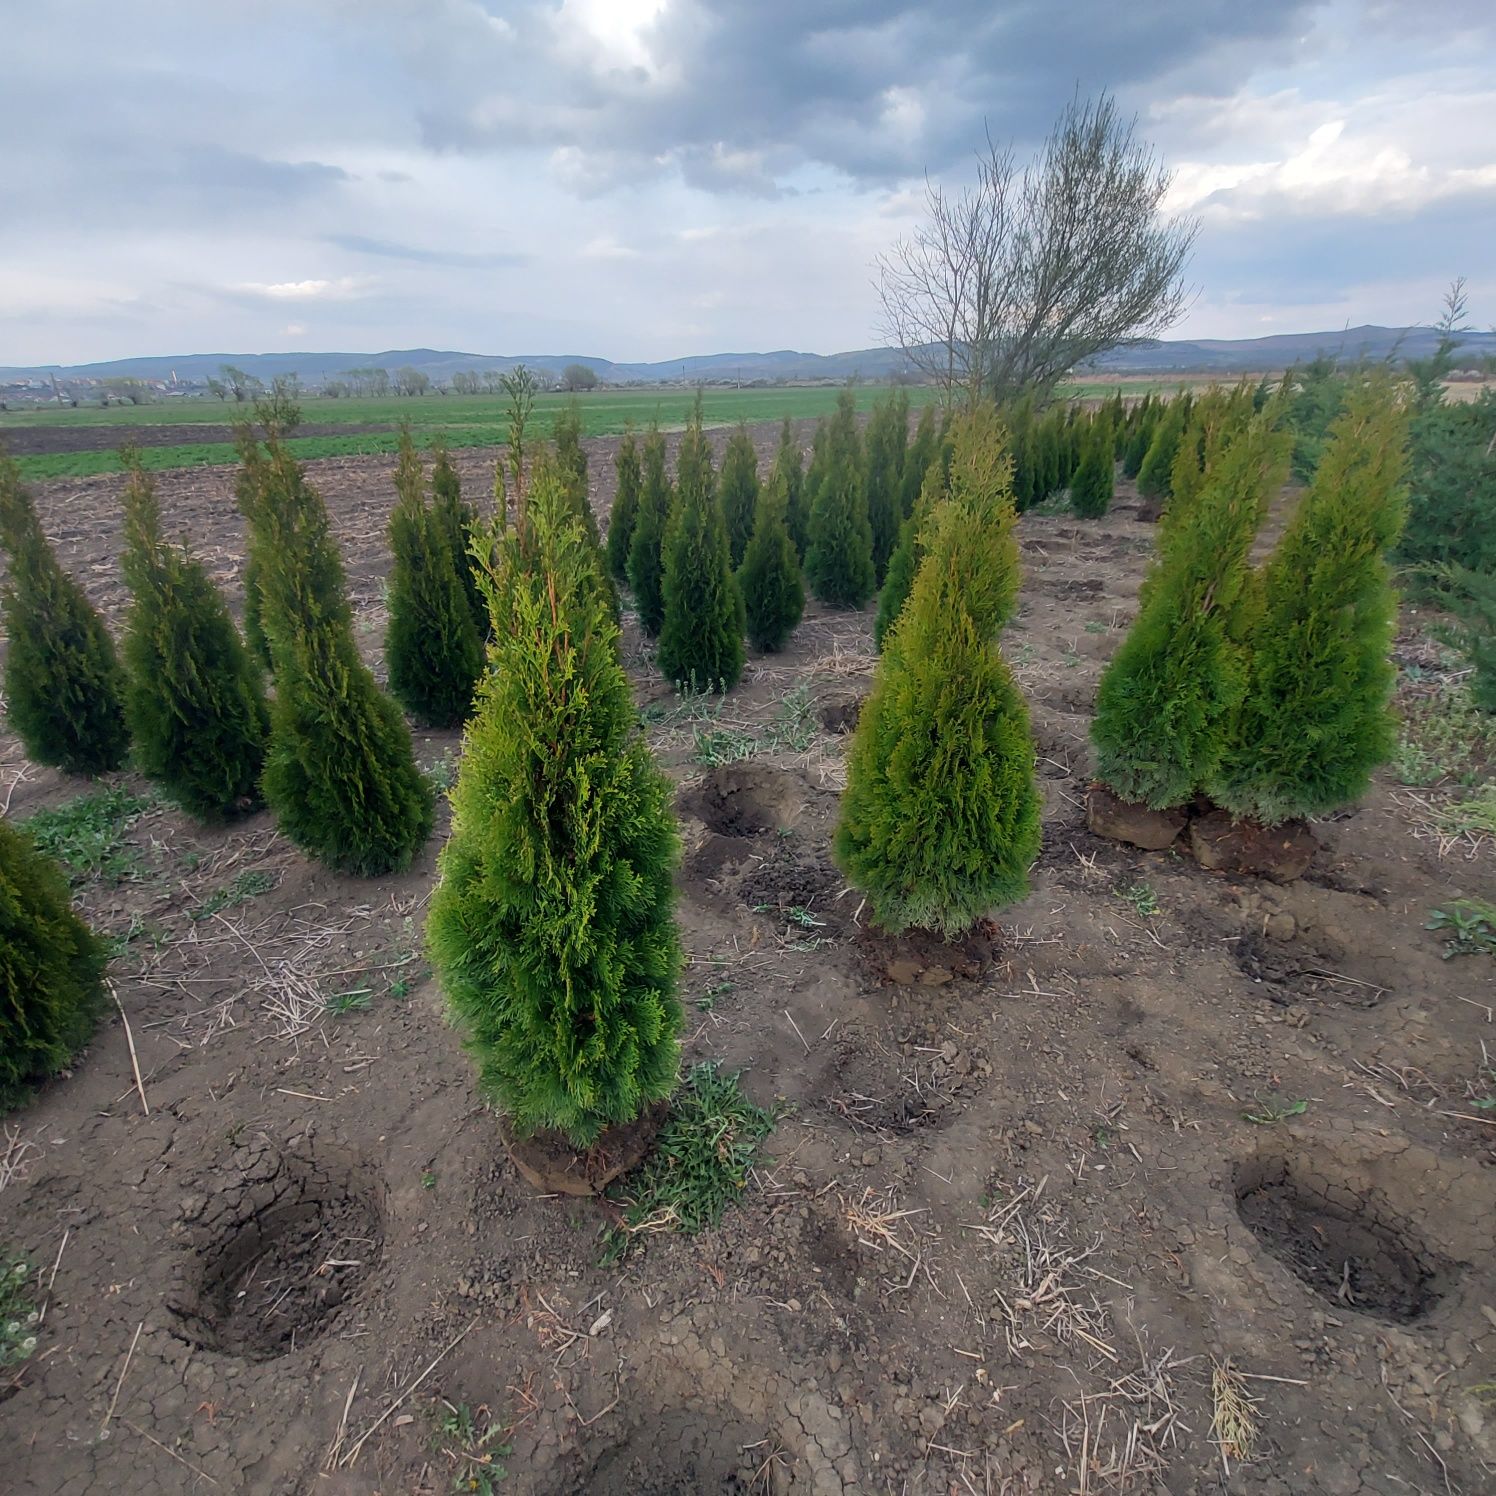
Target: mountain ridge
1184	356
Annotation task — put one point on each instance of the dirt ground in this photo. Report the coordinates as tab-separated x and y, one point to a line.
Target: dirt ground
1013	1231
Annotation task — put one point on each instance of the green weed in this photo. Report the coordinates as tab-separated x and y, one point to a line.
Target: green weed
699	1164
442	774
1273	1109
18	1314
1142	898
87	834
708	999
246	886
356	1000
1468	925
1444	738
472	1445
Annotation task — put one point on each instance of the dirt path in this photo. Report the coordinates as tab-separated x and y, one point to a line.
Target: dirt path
1009	1226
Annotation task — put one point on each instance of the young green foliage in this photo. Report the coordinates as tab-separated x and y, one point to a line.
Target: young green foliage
194	699
903	565
625	516
432	648
917	459
701	638
51	969
940	818
839	562
553	928
769	579
789	468
1091	487
738	488
1165	699
1314	720
459	521
887	443
1452	486
339	774
646	548
64	689
1158	463
571	462
1471	597
1140	437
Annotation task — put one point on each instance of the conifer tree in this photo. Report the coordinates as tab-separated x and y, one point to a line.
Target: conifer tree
1166	697
433	651
917	460
1314	721
1091	488
552	929
887	441
839	563
625	515
1158	462
738	487
815	474
940	818
339	772
789	469
904	563
459	520
571	459
646	549
701	638
51	969
1139	438
194	699
769	580
64	688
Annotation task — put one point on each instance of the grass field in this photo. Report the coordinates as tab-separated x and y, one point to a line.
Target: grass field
466	420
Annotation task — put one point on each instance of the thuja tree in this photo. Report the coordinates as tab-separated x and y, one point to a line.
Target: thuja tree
64	688
887	443
1140	436
339	774
431	646
904	563
625	515
1091	487
1314	720
459	520
917	459
194	699
1158	461
839	563
646	548
738	489
51	969
1164	701
701	638
571	460
552	929
769	580
940	818
789	468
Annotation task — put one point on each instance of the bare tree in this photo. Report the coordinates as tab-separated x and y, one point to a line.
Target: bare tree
1010	284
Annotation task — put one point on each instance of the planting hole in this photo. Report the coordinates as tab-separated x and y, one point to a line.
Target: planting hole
745	799
689	1448
1340	1240
283	1241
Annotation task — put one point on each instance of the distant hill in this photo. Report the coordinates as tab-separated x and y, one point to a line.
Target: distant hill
1162	356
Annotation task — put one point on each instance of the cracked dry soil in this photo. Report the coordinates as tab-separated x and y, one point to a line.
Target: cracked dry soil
1010	1220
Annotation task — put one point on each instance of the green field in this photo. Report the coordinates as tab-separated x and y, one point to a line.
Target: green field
466	421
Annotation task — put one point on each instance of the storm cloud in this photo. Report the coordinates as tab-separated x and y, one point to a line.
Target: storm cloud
647	178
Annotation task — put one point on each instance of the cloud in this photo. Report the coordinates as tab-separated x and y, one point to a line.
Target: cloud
343	288
364	244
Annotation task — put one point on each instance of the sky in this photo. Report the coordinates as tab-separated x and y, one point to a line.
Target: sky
647	179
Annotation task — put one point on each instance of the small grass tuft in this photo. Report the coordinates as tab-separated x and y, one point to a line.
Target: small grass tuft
87	834
246	886
700	1162
18	1314
356	1000
472	1444
1469	927
1445	739
1274	1108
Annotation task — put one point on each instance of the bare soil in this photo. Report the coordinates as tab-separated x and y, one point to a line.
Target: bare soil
1012	1222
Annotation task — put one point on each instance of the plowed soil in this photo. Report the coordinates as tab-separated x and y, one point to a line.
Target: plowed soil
1013	1231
